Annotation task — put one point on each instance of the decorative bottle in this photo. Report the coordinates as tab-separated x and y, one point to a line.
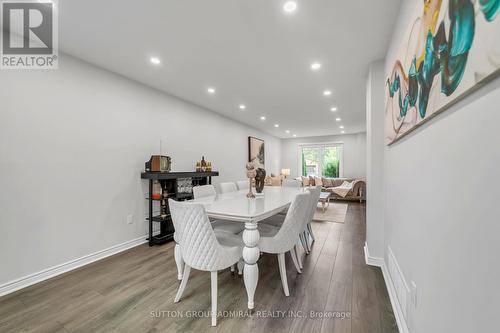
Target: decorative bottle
156	190
203	164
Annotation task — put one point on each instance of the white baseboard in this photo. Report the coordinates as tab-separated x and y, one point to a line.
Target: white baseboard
396	307
48	273
372	261
391	289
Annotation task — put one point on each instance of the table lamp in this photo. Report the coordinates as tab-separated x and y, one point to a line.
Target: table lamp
285	172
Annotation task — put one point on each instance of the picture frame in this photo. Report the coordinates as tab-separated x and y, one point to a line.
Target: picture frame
256	152
449	50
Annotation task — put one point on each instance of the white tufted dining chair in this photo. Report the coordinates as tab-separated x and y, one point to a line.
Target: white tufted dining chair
283	239
315	193
307	229
228	187
277	221
204	191
243	184
218	225
289	183
201	247
229	226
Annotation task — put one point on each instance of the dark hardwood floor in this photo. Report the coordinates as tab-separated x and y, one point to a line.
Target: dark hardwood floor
134	291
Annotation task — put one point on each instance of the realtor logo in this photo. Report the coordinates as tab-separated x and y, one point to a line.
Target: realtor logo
29	35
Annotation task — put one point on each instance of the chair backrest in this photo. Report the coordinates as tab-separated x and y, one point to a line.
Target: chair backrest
228	187
243	184
195	235
313	203
293	224
290	183
203	191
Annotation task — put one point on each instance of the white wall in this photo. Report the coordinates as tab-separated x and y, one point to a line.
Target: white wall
73	143
354	153
375	159
442	216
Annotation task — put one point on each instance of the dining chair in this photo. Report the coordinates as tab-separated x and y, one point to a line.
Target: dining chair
307	229
290	183
229	226
201	247
228	187
218	225
204	191
277	221
243	184
315	193
281	240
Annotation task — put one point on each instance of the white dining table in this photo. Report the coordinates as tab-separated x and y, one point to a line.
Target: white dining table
235	206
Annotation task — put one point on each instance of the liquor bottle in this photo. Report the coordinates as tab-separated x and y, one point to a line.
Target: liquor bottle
163	209
203	164
156	190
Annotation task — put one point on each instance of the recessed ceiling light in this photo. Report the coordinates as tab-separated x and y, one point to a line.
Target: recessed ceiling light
342	132
276	125
262	118
315	66
341	126
333	109
327	92
295	135
242	107
155	60
338	119
290	6
211	90
287	131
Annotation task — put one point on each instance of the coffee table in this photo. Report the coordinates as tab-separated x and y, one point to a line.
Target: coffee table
324	198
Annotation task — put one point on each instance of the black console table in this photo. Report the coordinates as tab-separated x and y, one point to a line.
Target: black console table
173	185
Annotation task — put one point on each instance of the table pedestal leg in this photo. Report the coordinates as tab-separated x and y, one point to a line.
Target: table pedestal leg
251	254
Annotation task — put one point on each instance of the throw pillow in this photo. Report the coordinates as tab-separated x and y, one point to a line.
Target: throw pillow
346	184
311	181
318	181
327	182
305	181
337	182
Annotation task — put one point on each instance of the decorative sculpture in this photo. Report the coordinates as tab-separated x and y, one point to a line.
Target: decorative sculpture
259	180
251	173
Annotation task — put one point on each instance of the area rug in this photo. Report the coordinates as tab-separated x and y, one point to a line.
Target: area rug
335	212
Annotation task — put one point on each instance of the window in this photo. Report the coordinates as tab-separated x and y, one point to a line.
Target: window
321	160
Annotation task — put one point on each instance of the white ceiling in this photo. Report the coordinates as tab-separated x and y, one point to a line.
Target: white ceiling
250	51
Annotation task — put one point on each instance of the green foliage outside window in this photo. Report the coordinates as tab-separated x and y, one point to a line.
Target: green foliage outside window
325	159
304	167
331	162
331	169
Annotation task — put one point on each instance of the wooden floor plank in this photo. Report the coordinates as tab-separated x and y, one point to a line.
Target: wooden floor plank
340	292
313	296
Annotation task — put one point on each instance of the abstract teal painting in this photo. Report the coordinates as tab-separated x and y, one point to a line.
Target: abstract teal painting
449	48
